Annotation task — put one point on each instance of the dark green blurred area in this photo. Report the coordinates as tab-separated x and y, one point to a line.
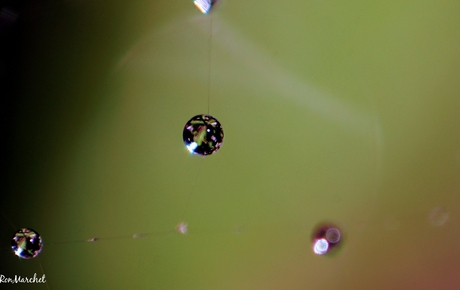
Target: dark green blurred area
341	112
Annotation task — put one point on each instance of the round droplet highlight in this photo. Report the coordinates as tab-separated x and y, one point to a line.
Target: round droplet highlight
26	243
320	247
326	238
203	135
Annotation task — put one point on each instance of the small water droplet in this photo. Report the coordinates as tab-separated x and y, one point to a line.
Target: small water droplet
204	5
438	216
26	243
203	135
325	238
182	228
139	236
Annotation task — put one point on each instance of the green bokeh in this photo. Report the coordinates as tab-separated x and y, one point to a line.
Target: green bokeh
340	111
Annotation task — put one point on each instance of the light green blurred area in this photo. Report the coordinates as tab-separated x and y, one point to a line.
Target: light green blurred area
332	111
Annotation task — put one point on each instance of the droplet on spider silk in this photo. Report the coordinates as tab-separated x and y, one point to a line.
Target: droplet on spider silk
438	216
26	243
203	135
205	6
326	238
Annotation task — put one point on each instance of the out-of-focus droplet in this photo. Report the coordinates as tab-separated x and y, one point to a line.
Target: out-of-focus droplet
182	228
438	216
333	235
203	135
204	5
26	243
139	236
326	238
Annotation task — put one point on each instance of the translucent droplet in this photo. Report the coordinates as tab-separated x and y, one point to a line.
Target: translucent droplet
438	216
26	243
204	5
182	228
203	135
139	236
333	235
326	238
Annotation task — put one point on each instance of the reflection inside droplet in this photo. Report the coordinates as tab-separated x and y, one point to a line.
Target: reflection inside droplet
325	238
203	135
26	243
192	146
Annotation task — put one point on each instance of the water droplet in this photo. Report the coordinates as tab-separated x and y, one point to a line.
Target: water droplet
204	5
138	236
182	228
333	235
438	216
26	243
326	237
203	135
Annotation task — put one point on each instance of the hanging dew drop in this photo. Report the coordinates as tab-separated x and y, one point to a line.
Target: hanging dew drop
26	243
203	135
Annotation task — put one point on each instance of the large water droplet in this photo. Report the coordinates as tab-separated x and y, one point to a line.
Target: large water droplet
26	243
325	238
203	135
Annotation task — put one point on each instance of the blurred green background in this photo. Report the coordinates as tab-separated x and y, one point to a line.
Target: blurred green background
335	111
